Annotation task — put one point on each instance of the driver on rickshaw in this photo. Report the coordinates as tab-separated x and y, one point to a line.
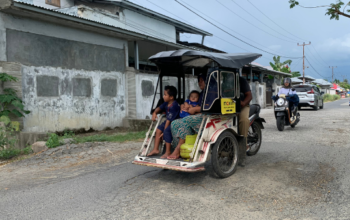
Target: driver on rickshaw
189	125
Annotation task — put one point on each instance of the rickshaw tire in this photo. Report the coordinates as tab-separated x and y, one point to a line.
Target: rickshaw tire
252	153
214	156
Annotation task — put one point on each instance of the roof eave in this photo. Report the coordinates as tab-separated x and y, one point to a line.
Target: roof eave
95	24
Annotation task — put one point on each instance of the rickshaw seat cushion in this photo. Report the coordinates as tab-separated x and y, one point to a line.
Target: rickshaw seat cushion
253	109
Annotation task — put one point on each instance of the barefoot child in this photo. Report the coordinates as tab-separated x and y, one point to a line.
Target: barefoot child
191	102
172	109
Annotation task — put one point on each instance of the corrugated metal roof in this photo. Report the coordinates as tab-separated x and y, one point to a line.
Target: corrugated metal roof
25	3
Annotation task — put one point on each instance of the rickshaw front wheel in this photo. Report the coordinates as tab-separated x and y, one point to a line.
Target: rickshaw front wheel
224	158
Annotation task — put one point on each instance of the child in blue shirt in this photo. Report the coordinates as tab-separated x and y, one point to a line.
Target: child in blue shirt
172	110
193	101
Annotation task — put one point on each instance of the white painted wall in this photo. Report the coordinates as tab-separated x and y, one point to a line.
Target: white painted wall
144	103
65	111
129	20
144	24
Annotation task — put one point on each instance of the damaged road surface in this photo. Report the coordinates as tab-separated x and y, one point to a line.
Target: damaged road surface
300	173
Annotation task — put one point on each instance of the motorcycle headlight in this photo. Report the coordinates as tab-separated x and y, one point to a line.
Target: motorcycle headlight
280	102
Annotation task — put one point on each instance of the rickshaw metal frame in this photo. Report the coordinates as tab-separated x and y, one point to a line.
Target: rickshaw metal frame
211	126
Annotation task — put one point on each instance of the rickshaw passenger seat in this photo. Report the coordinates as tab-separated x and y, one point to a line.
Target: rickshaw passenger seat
253	109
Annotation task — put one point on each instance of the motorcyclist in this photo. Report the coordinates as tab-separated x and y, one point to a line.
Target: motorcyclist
291	94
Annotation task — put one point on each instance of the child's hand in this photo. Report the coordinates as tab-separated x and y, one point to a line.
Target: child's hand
154	117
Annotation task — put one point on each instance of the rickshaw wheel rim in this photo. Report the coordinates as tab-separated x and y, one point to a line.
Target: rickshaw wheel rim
230	154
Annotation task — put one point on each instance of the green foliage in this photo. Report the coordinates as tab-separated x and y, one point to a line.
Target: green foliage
7	136
334	10
6	154
330	98
4	77
278	66
111	138
53	141
295	74
10	103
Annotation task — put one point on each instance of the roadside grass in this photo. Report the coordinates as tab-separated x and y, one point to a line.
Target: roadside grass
330	98
131	136
6	154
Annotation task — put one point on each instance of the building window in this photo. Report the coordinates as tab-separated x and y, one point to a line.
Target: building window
147	88
47	86
109	87
82	87
56	3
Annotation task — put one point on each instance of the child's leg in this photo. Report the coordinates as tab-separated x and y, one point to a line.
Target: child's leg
167	150
168	138
157	140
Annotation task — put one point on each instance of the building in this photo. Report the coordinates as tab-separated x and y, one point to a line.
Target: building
83	65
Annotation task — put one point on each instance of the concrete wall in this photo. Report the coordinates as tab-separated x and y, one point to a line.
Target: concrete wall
259	93
81	100
71	78
53	30
43	50
145	88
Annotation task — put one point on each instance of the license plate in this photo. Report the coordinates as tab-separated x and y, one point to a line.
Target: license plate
280	109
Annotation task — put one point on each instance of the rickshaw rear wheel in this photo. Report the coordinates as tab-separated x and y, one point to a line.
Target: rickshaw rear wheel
224	158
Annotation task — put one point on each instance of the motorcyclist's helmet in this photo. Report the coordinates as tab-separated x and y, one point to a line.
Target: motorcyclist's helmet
288	80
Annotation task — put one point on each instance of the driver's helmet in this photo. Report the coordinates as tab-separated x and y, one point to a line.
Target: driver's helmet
287	80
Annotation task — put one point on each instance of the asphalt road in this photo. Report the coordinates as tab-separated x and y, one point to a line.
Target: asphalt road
300	173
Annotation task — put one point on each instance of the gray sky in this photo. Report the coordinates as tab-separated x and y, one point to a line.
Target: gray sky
330	39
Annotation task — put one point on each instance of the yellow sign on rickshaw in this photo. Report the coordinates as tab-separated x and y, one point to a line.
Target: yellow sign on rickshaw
228	106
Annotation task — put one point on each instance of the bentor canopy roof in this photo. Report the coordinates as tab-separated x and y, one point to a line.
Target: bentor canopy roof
192	58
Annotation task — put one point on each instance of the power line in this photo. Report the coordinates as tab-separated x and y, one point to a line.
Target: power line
273	20
313	67
252	23
294	41
313	57
318	54
230	33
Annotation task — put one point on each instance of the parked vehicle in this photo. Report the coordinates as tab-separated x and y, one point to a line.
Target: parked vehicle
284	115
309	96
219	139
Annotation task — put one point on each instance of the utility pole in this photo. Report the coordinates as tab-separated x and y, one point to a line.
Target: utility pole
332	72
303	59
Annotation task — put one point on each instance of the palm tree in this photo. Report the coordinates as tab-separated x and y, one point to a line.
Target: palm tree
283	67
278	66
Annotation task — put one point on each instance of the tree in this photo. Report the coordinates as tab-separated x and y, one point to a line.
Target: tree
296	74
283	67
345	81
337	81
333	10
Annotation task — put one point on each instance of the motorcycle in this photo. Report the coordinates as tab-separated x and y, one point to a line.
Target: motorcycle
285	114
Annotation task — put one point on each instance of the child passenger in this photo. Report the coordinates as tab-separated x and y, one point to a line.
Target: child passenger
191	102
172	110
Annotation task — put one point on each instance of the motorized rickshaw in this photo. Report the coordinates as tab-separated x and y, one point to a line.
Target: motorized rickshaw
219	138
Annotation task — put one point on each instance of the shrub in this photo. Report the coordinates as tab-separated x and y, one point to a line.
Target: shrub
330	98
9	153
53	141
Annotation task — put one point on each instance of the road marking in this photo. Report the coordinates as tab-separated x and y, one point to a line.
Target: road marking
345	103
